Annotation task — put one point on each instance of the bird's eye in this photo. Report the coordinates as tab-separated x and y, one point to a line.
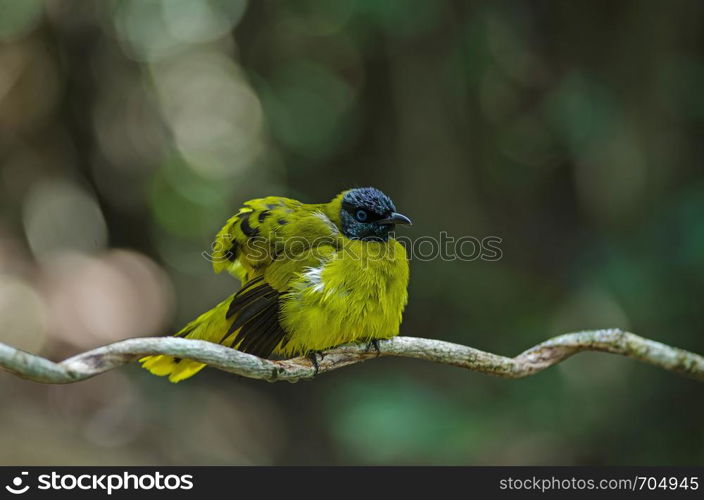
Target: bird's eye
361	215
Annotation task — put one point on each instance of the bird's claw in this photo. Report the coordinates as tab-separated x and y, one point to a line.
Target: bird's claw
313	357
374	343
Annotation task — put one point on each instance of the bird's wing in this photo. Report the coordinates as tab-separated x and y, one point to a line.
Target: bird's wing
267	229
268	244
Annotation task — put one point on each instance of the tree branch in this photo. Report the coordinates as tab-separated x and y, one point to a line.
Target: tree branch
535	359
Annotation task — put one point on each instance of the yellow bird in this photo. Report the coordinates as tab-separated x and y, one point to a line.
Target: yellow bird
314	276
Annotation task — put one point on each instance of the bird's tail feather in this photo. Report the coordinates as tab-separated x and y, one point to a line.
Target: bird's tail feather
176	368
208	326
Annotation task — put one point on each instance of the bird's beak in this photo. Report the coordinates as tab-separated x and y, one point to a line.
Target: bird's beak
395	218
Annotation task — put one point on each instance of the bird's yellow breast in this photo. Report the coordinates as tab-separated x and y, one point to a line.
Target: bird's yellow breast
356	293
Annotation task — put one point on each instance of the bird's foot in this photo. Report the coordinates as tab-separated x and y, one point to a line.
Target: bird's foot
313	357
374	344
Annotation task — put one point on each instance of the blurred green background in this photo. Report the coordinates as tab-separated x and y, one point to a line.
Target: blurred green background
130	130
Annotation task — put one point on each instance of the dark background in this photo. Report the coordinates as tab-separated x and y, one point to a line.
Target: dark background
131	130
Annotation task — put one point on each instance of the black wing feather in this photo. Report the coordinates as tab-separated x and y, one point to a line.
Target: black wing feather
246	300
261	341
274	336
256	308
250	309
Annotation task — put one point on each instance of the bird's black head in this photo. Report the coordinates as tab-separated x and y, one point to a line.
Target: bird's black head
368	214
